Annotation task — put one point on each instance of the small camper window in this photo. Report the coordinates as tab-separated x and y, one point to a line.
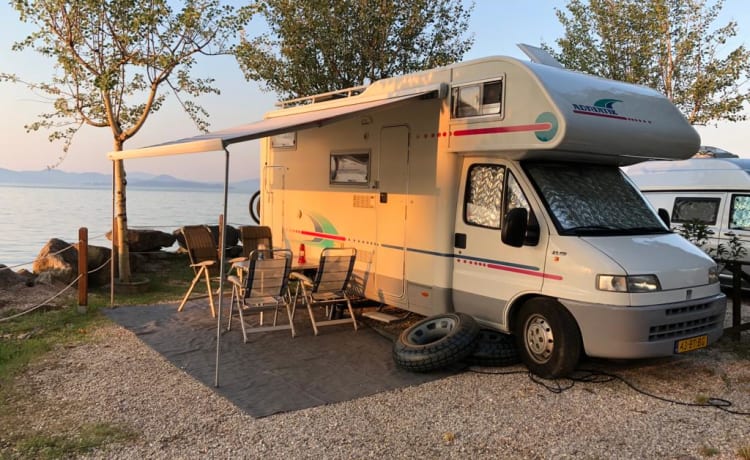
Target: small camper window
284	140
350	168
695	210
478	99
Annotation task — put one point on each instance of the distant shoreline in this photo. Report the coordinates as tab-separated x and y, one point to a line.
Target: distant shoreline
140	181
136	186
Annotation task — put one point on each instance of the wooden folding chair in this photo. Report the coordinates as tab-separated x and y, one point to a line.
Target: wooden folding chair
328	289
263	288
203	256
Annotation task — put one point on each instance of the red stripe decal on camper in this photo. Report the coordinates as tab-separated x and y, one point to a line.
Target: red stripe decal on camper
525	272
606	115
327	236
504	129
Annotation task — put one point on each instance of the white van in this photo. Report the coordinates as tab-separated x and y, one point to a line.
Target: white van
713	192
492	187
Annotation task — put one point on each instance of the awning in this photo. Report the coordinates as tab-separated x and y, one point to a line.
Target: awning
218	140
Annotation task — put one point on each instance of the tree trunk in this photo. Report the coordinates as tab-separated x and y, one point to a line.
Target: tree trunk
120	235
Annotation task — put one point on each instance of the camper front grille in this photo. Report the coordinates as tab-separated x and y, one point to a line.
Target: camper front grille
683	328
688	309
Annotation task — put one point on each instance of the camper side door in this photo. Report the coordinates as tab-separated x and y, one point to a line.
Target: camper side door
487	273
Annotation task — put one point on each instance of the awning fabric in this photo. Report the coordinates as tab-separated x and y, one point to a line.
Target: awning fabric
218	140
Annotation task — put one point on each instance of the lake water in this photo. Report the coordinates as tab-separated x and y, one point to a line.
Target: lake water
31	216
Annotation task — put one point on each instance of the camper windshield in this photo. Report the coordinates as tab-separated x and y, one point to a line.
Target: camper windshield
588	199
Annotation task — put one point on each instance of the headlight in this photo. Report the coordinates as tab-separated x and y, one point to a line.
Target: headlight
713	275
631	283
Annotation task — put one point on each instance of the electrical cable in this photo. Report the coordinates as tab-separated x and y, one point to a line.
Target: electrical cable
560	385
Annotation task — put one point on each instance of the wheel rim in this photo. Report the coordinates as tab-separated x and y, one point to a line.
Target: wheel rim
431	331
540	341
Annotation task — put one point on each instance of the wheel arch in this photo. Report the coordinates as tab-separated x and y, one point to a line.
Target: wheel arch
515	307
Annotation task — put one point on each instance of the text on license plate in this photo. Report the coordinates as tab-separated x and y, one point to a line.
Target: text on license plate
693	343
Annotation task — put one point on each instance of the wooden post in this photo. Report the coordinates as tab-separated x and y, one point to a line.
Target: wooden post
83	269
736	300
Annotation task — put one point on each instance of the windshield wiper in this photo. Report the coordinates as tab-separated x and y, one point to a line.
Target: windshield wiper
588	228
647	230
604	229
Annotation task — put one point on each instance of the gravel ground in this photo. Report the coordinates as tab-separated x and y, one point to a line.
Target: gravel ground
118	380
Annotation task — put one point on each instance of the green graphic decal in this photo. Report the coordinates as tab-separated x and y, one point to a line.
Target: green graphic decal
548	135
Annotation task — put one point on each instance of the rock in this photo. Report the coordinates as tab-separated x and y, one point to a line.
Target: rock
59	258
97	264
58	261
10	278
52	276
146	240
232	239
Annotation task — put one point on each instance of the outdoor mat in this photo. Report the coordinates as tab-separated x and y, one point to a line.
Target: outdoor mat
273	372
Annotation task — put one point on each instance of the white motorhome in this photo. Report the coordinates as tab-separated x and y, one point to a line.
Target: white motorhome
712	192
492	187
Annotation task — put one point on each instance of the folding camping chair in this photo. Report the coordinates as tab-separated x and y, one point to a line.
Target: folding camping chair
328	289
255	237
203	256
263	288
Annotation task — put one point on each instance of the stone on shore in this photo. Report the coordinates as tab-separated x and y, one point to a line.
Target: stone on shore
147	240
58	261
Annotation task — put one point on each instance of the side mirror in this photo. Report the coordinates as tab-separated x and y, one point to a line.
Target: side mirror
514	227
664	215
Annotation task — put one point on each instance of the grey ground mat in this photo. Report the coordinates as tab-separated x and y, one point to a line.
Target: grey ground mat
273	372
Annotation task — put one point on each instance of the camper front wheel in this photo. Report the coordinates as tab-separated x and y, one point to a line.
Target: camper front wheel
436	342
548	338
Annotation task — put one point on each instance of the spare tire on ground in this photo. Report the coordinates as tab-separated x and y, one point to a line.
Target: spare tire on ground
436	342
494	349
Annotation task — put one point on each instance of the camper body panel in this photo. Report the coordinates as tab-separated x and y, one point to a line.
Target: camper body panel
492	280
394	213
481	260
398	184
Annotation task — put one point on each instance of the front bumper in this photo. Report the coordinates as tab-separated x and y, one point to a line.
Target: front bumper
646	331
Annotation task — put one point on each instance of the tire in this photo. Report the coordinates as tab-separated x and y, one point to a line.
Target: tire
255	207
494	349
548	338
436	342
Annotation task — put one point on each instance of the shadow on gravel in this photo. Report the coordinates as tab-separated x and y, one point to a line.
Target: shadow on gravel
273	372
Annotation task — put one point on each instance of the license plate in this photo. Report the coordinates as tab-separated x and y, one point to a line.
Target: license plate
693	343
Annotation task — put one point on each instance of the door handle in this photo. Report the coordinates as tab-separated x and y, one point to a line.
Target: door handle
459	240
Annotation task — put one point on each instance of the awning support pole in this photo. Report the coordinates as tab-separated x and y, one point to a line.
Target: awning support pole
223	251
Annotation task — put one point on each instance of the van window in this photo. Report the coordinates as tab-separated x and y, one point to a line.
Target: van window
740	214
485	205
695	210
586	199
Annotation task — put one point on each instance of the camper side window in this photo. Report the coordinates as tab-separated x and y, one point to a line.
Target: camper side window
484	195
350	168
740	214
695	210
477	99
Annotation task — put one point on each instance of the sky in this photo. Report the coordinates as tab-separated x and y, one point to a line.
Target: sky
497	26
